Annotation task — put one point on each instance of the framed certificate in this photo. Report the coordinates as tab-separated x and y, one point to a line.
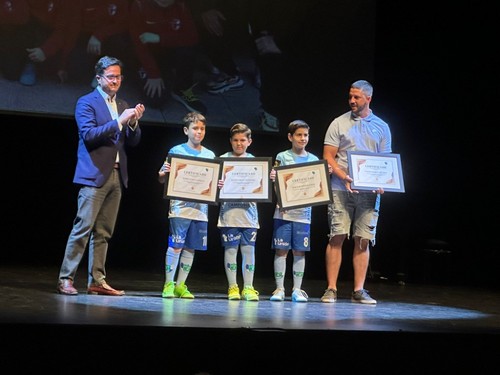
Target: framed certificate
371	171
303	185
192	179
245	179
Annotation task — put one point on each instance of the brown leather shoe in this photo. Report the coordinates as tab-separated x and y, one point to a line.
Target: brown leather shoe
104	289
65	286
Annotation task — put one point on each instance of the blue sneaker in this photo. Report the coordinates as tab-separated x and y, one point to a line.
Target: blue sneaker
28	76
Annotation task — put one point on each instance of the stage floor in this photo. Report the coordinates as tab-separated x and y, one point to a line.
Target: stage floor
411	326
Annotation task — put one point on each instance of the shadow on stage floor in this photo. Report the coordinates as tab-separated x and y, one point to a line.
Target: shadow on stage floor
413	328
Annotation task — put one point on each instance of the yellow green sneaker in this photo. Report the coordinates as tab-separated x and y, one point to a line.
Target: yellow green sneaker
233	293
249	294
168	290
181	291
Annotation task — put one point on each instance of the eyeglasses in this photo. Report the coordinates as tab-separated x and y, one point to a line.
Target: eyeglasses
111	77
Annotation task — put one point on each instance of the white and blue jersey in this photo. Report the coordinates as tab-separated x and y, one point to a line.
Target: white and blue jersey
187	209
238	214
301	215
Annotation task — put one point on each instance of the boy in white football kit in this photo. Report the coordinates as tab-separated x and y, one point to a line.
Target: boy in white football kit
292	228
238	223
188	221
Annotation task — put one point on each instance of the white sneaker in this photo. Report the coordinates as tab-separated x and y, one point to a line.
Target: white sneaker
299	295
225	84
269	122
278	295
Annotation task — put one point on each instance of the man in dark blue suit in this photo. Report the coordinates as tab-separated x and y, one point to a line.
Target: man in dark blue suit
106	126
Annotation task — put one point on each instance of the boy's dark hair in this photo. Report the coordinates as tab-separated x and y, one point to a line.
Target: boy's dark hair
105	62
239	128
193	118
297	124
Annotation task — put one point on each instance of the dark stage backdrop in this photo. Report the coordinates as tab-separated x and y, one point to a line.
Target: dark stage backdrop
446	148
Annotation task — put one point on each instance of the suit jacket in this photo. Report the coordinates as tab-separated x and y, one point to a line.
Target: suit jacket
99	139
